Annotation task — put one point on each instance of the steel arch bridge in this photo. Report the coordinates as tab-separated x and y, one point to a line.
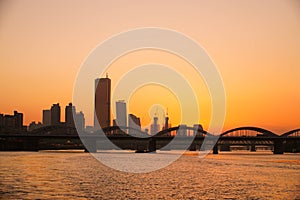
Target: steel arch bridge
122	130
183	129
292	133
54	130
128	137
247	131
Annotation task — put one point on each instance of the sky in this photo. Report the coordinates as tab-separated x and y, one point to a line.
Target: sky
255	45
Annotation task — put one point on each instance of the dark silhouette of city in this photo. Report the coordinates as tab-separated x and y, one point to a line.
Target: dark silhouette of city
125	133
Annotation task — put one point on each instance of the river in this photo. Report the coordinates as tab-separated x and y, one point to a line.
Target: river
78	175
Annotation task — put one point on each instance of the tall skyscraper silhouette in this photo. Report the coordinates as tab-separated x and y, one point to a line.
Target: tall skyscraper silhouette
121	113
70	109
80	121
102	103
55	114
154	126
166	121
18	119
46	117
134	121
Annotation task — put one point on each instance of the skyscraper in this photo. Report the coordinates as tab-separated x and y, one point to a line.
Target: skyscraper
18	119
55	114
155	126
46	117
70	109
121	113
134	122
166	122
80	121
102	103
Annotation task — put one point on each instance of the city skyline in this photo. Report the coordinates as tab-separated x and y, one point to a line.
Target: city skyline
102	109
257	55
151	100
102	86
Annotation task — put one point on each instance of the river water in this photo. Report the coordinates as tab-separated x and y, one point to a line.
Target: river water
76	175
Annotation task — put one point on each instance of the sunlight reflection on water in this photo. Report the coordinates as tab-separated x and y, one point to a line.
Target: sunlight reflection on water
65	175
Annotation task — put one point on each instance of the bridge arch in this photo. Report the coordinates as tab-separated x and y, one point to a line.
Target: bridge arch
166	132
290	133
119	130
262	131
54	129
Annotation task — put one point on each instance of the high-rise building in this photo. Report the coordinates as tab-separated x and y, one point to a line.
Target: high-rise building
121	113
134	122
55	114
1	120
70	109
166	126
18	119
155	126
9	122
80	121
102	103
46	118
12	121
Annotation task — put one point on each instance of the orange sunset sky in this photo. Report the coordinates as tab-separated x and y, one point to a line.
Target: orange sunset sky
255	45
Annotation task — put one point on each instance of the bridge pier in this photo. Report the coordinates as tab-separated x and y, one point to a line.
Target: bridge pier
193	147
278	146
215	149
152	145
252	148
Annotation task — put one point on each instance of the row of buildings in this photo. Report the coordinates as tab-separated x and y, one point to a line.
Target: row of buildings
103	110
102	115
52	117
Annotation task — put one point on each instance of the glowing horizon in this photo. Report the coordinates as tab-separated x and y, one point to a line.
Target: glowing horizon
255	46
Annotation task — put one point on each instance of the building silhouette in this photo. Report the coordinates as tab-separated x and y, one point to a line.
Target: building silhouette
33	125
80	121
134	122
55	114
155	126
18	120
46	118
121	113
12	122
70	109
167	124
1	120
102	103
